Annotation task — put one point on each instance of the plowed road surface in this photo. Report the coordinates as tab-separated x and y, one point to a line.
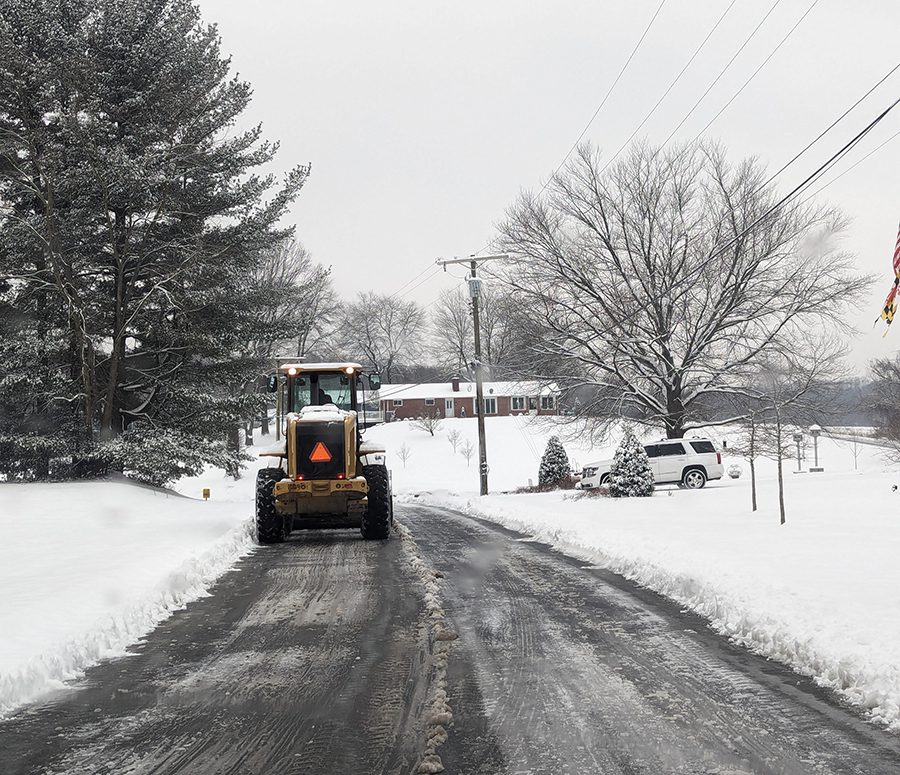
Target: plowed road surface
318	656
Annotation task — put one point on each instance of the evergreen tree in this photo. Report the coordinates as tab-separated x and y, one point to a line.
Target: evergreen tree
131	214
555	466
631	475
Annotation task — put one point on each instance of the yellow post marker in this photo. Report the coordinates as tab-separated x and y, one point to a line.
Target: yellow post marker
206	493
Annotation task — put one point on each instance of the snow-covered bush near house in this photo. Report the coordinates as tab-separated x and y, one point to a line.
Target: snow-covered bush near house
87	568
630	475
555	465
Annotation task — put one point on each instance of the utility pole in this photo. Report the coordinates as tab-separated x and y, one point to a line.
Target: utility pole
475	293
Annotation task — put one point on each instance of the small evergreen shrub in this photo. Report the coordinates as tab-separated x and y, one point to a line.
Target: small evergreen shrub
555	468
631	475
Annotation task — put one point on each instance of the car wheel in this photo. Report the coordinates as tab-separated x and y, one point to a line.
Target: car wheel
694	479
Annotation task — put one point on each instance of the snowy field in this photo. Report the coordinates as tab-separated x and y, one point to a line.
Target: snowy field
88	568
819	593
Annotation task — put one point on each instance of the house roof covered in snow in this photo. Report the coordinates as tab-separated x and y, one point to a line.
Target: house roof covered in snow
466	390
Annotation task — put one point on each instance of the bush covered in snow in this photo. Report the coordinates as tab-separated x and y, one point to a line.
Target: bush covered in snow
158	456
631	475
555	467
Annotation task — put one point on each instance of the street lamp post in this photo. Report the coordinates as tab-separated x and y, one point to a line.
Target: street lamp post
814	431
798	437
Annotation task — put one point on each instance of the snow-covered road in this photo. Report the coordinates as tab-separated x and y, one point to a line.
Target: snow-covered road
318	656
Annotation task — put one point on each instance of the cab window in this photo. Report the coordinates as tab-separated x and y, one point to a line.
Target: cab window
320	389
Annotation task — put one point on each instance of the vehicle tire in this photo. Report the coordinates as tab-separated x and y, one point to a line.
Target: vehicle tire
376	520
693	479
270	525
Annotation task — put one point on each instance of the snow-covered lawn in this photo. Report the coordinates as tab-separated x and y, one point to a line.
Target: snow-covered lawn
819	593
88	568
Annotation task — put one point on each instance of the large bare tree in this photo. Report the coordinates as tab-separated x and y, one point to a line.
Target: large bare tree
660	281
453	333
383	332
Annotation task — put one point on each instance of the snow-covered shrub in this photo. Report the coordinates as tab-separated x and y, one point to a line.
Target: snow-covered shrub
631	475
555	467
158	456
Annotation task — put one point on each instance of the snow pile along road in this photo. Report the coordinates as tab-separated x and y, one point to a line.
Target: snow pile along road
818	594
88	568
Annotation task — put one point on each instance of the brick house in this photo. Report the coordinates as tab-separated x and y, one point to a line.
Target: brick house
457	399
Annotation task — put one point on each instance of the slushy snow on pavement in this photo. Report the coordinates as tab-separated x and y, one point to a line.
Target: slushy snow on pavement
819	594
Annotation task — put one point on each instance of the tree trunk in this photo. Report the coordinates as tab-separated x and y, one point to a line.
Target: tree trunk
264	421
780	469
234	444
753	464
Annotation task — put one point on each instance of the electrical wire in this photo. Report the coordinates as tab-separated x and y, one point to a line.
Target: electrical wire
605	98
722	72
852	167
809	180
412	280
671	86
834	123
756	72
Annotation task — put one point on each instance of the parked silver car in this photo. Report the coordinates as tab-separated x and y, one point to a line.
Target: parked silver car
688	462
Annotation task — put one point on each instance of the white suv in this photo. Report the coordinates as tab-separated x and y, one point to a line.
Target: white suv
688	462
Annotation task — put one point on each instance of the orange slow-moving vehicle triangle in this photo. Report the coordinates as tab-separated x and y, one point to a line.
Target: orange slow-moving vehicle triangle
320	454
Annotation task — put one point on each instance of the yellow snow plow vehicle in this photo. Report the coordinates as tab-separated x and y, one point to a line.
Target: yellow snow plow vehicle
326	476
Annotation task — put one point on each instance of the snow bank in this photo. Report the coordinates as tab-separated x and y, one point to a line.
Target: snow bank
88	568
818	594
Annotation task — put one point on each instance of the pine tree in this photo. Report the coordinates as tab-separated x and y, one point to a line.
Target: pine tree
555	466
631	475
132	212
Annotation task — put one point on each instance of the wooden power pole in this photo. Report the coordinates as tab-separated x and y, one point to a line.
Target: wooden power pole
475	294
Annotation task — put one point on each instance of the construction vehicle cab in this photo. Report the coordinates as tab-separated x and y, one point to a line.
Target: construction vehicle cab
326	475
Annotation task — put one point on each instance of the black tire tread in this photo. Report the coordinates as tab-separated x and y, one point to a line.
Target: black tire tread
269	523
376	520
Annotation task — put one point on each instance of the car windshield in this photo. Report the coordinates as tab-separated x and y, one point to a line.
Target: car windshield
319	389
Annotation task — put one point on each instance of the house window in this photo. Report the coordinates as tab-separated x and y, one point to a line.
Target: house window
448	406
398	402
518	403
548	402
429	402
490	406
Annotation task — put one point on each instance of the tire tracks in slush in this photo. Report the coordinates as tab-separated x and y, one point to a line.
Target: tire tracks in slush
313	656
561	667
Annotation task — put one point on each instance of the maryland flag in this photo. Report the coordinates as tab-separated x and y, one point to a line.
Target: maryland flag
890	303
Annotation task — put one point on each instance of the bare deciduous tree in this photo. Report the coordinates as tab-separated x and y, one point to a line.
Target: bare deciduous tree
467	450
404	453
660	281
428	422
383	332
453	333
789	390
453	437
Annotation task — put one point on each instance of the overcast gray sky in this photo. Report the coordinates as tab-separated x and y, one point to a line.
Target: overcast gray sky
423	120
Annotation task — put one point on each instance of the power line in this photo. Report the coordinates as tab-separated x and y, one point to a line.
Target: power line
834	123
671	86
723	71
408	282
852	166
756	72
809	180
605	97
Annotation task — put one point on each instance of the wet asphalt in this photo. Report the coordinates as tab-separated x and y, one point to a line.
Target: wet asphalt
317	656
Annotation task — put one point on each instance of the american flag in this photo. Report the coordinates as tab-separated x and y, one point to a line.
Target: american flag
890	304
